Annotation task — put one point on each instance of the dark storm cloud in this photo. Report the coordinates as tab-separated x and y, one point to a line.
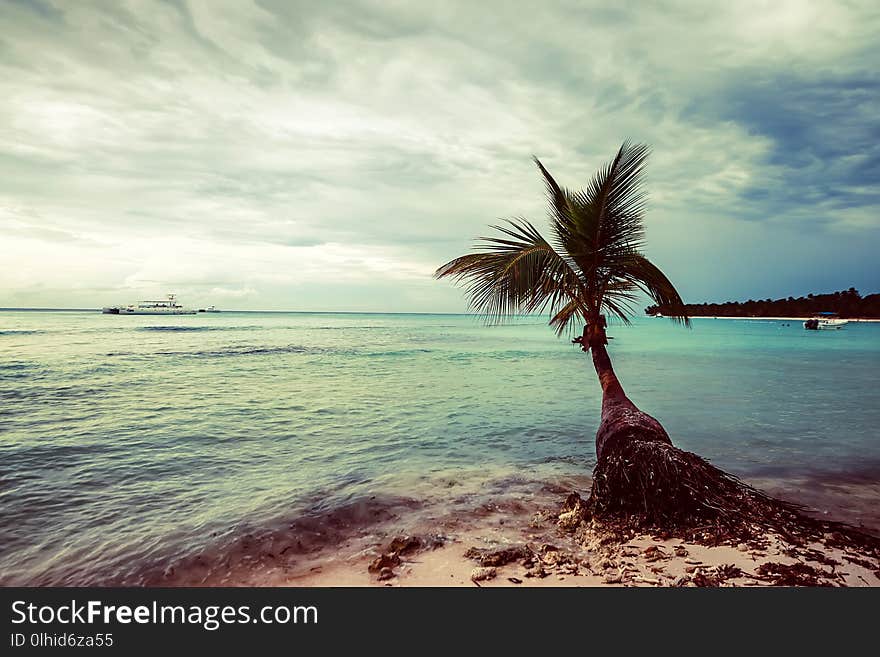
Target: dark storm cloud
824	132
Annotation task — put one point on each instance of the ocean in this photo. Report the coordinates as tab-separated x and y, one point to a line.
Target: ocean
150	450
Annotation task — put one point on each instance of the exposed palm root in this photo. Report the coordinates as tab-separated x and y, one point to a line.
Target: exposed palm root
622	423
652	485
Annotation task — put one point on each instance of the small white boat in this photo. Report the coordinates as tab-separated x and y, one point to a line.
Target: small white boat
825	322
209	309
167	306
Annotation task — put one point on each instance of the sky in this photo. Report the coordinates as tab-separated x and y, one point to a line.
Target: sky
277	154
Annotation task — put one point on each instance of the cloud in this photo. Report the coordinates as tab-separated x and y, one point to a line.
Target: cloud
307	147
823	141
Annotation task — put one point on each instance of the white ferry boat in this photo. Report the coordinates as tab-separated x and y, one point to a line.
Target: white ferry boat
167	306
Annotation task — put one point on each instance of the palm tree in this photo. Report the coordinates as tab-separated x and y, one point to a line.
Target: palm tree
591	268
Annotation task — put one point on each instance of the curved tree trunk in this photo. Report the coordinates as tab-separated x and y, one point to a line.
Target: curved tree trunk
622	421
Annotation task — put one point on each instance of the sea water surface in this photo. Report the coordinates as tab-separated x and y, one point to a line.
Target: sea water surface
134	446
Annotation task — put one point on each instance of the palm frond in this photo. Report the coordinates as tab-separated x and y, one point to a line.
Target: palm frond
593	265
575	309
518	272
648	277
619	297
602	224
562	210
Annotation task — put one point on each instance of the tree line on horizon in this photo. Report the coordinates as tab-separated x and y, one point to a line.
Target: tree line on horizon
847	303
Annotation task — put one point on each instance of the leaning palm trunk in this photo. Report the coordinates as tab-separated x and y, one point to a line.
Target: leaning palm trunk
641	479
622	421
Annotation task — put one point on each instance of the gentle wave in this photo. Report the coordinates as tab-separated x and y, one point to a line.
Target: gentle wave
230	351
347	328
20	370
272	350
195	329
19	365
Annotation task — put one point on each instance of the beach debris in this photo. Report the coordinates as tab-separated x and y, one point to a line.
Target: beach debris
613	578
402	545
729	571
654	553
542	517
574	512
406	544
553	558
481	573
681	581
536	571
499	556
385	573
864	563
704	579
796	574
389	560
742	547
811	554
605	563
836	539
514	580
680	551
715	575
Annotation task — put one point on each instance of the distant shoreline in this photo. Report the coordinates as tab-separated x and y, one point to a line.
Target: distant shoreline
786	319
375	312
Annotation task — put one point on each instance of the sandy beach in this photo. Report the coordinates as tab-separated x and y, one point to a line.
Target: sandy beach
643	561
519	548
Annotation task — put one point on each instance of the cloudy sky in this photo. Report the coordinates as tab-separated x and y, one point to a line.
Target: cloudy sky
274	154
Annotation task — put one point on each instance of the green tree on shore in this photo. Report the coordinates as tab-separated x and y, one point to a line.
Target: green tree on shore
846	303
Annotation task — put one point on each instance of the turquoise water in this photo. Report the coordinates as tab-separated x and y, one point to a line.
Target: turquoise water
131	443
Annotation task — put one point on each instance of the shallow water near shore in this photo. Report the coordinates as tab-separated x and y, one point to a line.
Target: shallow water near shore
136	449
